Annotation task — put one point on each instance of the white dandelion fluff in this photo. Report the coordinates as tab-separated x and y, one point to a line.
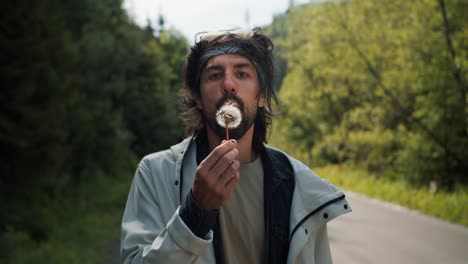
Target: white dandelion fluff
228	116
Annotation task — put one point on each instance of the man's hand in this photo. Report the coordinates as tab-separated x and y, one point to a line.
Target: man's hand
216	176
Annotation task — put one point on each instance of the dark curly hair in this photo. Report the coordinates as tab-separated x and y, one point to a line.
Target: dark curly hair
258	48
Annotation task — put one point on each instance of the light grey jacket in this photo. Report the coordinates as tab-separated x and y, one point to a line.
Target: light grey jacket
153	232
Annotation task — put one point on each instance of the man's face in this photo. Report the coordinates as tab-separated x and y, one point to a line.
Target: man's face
229	78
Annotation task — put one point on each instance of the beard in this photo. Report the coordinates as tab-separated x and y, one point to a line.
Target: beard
248	118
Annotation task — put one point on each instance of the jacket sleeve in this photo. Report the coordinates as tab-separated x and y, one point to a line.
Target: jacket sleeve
322	246
146	237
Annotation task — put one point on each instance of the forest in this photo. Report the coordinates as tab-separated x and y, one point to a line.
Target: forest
86	93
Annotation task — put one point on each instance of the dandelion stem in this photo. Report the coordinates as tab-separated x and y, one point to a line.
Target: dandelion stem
227	133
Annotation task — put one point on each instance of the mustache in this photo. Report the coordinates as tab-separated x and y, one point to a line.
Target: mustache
230	97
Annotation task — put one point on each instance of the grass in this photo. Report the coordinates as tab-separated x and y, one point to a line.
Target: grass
452	206
80	224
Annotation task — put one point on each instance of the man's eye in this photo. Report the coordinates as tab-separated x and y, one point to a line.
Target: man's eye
215	76
242	74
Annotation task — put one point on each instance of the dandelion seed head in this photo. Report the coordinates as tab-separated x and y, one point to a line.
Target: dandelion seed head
228	116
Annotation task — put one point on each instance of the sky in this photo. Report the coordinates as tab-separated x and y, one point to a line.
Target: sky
192	16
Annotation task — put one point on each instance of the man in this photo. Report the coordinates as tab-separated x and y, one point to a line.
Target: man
212	200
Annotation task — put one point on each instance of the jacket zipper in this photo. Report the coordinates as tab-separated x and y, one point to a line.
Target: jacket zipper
312	213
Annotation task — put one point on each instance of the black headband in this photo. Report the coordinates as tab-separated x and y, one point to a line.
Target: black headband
231	48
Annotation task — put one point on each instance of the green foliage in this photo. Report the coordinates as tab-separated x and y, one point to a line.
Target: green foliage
84	92
278	31
377	84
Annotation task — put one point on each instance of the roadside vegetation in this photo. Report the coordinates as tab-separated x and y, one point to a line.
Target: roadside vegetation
449	206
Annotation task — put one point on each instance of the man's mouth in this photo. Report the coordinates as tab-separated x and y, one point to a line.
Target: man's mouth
231	102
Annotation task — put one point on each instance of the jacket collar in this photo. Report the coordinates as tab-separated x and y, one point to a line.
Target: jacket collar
310	193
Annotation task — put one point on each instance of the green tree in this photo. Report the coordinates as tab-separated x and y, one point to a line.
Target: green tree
381	85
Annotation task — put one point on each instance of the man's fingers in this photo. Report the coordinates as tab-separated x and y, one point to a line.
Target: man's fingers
211	160
232	182
209	187
229	173
224	163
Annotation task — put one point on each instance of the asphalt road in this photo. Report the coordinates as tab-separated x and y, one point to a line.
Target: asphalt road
379	233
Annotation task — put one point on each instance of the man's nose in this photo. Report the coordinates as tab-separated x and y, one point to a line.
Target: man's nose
230	84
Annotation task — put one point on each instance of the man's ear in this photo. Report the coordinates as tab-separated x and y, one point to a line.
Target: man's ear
261	101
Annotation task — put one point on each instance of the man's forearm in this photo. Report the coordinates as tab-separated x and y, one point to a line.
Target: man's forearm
199	220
